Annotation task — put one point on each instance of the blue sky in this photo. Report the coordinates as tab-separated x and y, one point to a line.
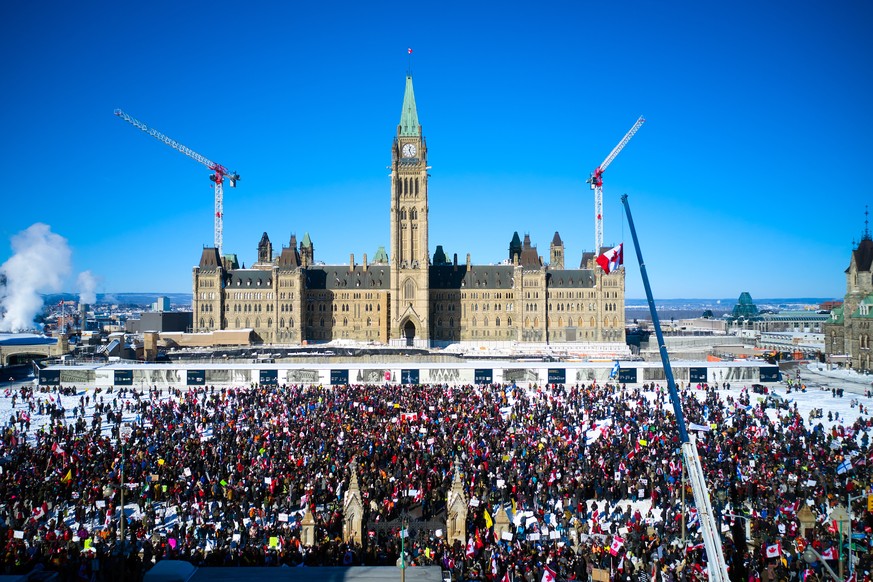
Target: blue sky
750	174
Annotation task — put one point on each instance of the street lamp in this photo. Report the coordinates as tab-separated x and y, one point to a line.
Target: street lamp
404	533
124	432
810	556
842	518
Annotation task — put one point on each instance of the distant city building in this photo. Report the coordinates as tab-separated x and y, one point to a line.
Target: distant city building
160	321
747	316
161	304
403	297
847	331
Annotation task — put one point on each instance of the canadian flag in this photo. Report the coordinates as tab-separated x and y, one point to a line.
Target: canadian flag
773	551
471	548
617	543
829	554
549	575
612	259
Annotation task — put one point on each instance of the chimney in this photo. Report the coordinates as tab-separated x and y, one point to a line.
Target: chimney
351	262
455	262
468	261
365	261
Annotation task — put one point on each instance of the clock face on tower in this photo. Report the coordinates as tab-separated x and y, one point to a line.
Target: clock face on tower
409	150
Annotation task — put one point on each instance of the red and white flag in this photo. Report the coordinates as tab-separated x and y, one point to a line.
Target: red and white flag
549	575
409	50
829	554
617	543
471	548
612	259
506	577
773	551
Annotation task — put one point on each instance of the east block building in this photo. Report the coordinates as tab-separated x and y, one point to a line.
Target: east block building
403	296
849	329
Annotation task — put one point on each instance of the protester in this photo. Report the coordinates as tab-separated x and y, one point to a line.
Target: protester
590	475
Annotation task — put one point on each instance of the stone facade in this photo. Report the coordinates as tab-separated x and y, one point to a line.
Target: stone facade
848	331
403	297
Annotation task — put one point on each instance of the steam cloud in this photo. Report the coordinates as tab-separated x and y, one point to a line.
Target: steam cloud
87	284
40	262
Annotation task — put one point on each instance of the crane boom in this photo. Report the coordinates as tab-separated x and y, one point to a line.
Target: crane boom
708	522
596	181
627	137
219	172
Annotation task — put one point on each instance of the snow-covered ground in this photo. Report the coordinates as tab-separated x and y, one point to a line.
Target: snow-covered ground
819	382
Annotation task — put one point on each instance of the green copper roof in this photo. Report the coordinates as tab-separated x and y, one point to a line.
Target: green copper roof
306	241
231	261
409	116
381	256
837	315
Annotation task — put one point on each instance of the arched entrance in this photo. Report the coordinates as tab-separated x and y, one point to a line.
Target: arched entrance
409	333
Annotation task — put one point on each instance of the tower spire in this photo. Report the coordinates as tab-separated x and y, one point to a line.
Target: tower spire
409	116
866	223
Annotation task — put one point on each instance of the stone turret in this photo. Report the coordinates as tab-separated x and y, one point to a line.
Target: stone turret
307	529
265	250
501	522
353	509
456	512
307	251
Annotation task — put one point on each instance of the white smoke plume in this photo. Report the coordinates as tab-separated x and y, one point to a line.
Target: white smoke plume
87	284
40	262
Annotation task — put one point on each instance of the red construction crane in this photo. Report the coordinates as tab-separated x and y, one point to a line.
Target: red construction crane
219	172
596	181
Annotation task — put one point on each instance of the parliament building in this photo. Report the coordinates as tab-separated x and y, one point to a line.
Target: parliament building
404	296
848	330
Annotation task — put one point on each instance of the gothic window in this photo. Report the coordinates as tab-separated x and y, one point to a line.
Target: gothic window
409	290
202	323
269	322
282	322
536	321
485	323
237	326
416	186
509	322
451	322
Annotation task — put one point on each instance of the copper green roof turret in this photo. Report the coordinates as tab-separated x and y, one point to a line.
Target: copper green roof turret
409	116
307	242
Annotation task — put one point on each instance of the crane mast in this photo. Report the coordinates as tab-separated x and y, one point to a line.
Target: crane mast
708	523
219	172
596	181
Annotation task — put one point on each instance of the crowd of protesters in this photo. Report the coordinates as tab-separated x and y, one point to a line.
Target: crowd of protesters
590	476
